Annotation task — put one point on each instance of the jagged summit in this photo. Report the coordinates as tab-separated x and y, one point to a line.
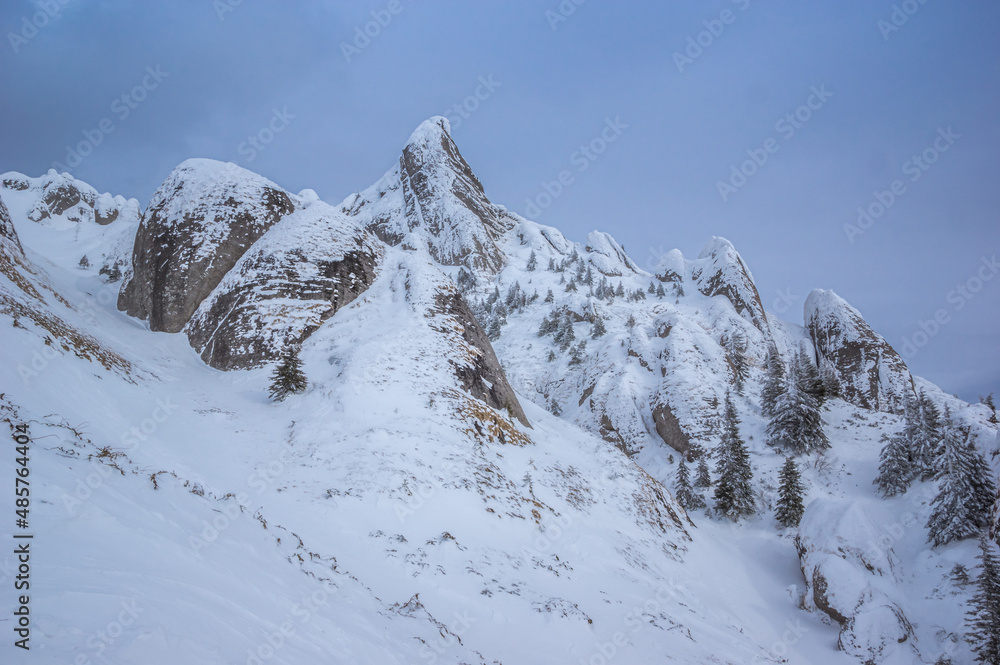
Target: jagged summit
865	367
433	191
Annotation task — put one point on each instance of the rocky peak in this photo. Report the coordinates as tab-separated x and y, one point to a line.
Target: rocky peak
61	195
721	271
8	234
434	192
201	220
868	371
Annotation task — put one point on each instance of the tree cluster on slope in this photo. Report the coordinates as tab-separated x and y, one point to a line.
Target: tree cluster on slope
796	423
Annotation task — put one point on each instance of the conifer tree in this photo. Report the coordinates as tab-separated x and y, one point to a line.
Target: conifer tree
493	332
588	279
702	479
965	491
736	354
733	493
797	425
549	297
983	617
895	470
808	378
465	281
927	437
554	407
683	492
288	376
85	263
620	291
988	400
532	262
565	336
790	493
598	330
652	289
571	286
680	288
660	293
774	384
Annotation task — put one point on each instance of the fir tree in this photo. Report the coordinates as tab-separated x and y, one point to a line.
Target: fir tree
565	336
493	332
571	286
631	321
549	325
652	289
683	492
549	297
808	379
85	263
532	262
702	479
927	437
736	354
660	293
620	291
465	281
983	617
774	384
494	297
598	330
576	353
790	493
552	265
288	376
797	424
588	279
552	355
895	470
680	289
965	491
554	407
733	493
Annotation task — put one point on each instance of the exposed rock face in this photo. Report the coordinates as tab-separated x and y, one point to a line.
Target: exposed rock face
63	196
199	223
298	275
481	376
8	235
845	550
669	428
870	372
722	272
434	193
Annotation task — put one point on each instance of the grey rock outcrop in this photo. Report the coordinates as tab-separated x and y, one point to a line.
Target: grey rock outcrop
201	220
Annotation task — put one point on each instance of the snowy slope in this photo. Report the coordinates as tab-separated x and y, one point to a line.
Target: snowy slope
421	502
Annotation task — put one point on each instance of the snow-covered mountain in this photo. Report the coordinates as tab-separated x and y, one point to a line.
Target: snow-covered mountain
480	470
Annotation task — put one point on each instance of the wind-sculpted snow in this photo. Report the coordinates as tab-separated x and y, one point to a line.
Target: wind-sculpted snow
851	574
434	193
868	371
300	273
201	220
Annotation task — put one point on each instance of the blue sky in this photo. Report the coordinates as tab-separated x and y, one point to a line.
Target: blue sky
559	73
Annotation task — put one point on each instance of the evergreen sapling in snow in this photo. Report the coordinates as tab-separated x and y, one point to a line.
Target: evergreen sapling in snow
790	493
774	384
683	492
983	617
733	493
288	376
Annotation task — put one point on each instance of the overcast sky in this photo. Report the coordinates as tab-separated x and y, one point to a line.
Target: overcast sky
696	88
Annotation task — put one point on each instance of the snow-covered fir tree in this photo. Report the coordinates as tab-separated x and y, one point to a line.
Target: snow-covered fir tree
983	617
797	424
702	478
565	336
733	492
790	492
683	492
598	329
965	489
532	262
895	468
660	293
927	436
774	384
288	377
549	297
808	379
736	346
